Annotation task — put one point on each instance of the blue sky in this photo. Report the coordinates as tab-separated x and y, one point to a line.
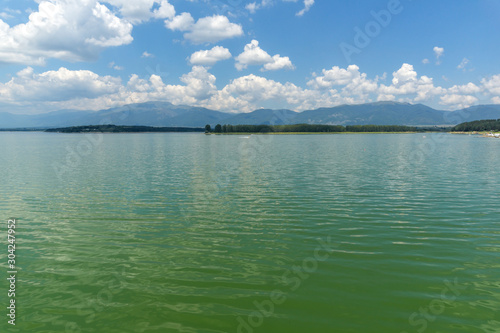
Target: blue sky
237	56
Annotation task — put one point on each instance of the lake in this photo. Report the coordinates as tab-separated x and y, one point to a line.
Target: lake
264	233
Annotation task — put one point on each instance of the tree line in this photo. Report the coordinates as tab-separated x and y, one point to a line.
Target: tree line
307	128
121	129
478	126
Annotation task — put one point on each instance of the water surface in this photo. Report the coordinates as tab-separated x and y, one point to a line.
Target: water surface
285	233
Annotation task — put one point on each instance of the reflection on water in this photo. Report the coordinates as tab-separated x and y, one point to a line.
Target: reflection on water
194	233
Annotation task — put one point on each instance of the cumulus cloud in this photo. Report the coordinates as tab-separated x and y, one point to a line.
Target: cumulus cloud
59	85
406	74
64	88
137	11
63	29
458	101
492	85
335	76
210	29
353	84
405	81
248	92
278	62
253	55
210	57
182	22
469	88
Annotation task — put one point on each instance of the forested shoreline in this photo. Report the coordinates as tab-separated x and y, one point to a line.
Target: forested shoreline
121	129
478	126
310	128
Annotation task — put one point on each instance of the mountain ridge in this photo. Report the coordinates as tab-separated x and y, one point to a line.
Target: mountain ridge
169	115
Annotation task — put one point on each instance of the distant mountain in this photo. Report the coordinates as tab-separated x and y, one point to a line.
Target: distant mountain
380	113
168	115
155	114
145	114
478	112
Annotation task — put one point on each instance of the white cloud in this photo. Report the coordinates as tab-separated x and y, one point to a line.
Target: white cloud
278	62
210	29
464	63
249	92
64	88
5	16
63	29
9	13
458	101
253	55
406	74
405	81
439	52
210	57
425	61
335	77
59	85
137	11
307	5
355	84
385	98
254	6
469	88
166	10
492	85
146	54
115	66
182	22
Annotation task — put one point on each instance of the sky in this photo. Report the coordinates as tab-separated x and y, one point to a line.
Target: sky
238	56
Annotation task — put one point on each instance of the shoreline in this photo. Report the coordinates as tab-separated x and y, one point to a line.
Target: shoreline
307	133
484	134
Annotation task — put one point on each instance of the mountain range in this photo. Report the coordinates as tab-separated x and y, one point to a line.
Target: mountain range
169	115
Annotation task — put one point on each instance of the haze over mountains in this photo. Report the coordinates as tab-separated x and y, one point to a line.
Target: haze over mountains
169	115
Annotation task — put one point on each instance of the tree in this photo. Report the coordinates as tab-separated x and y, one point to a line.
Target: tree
208	128
218	128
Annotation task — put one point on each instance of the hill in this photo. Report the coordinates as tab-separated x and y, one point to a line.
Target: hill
478	126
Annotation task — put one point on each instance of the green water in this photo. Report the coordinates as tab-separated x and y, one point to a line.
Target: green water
287	233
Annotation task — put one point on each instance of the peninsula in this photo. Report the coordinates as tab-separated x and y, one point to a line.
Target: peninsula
122	129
